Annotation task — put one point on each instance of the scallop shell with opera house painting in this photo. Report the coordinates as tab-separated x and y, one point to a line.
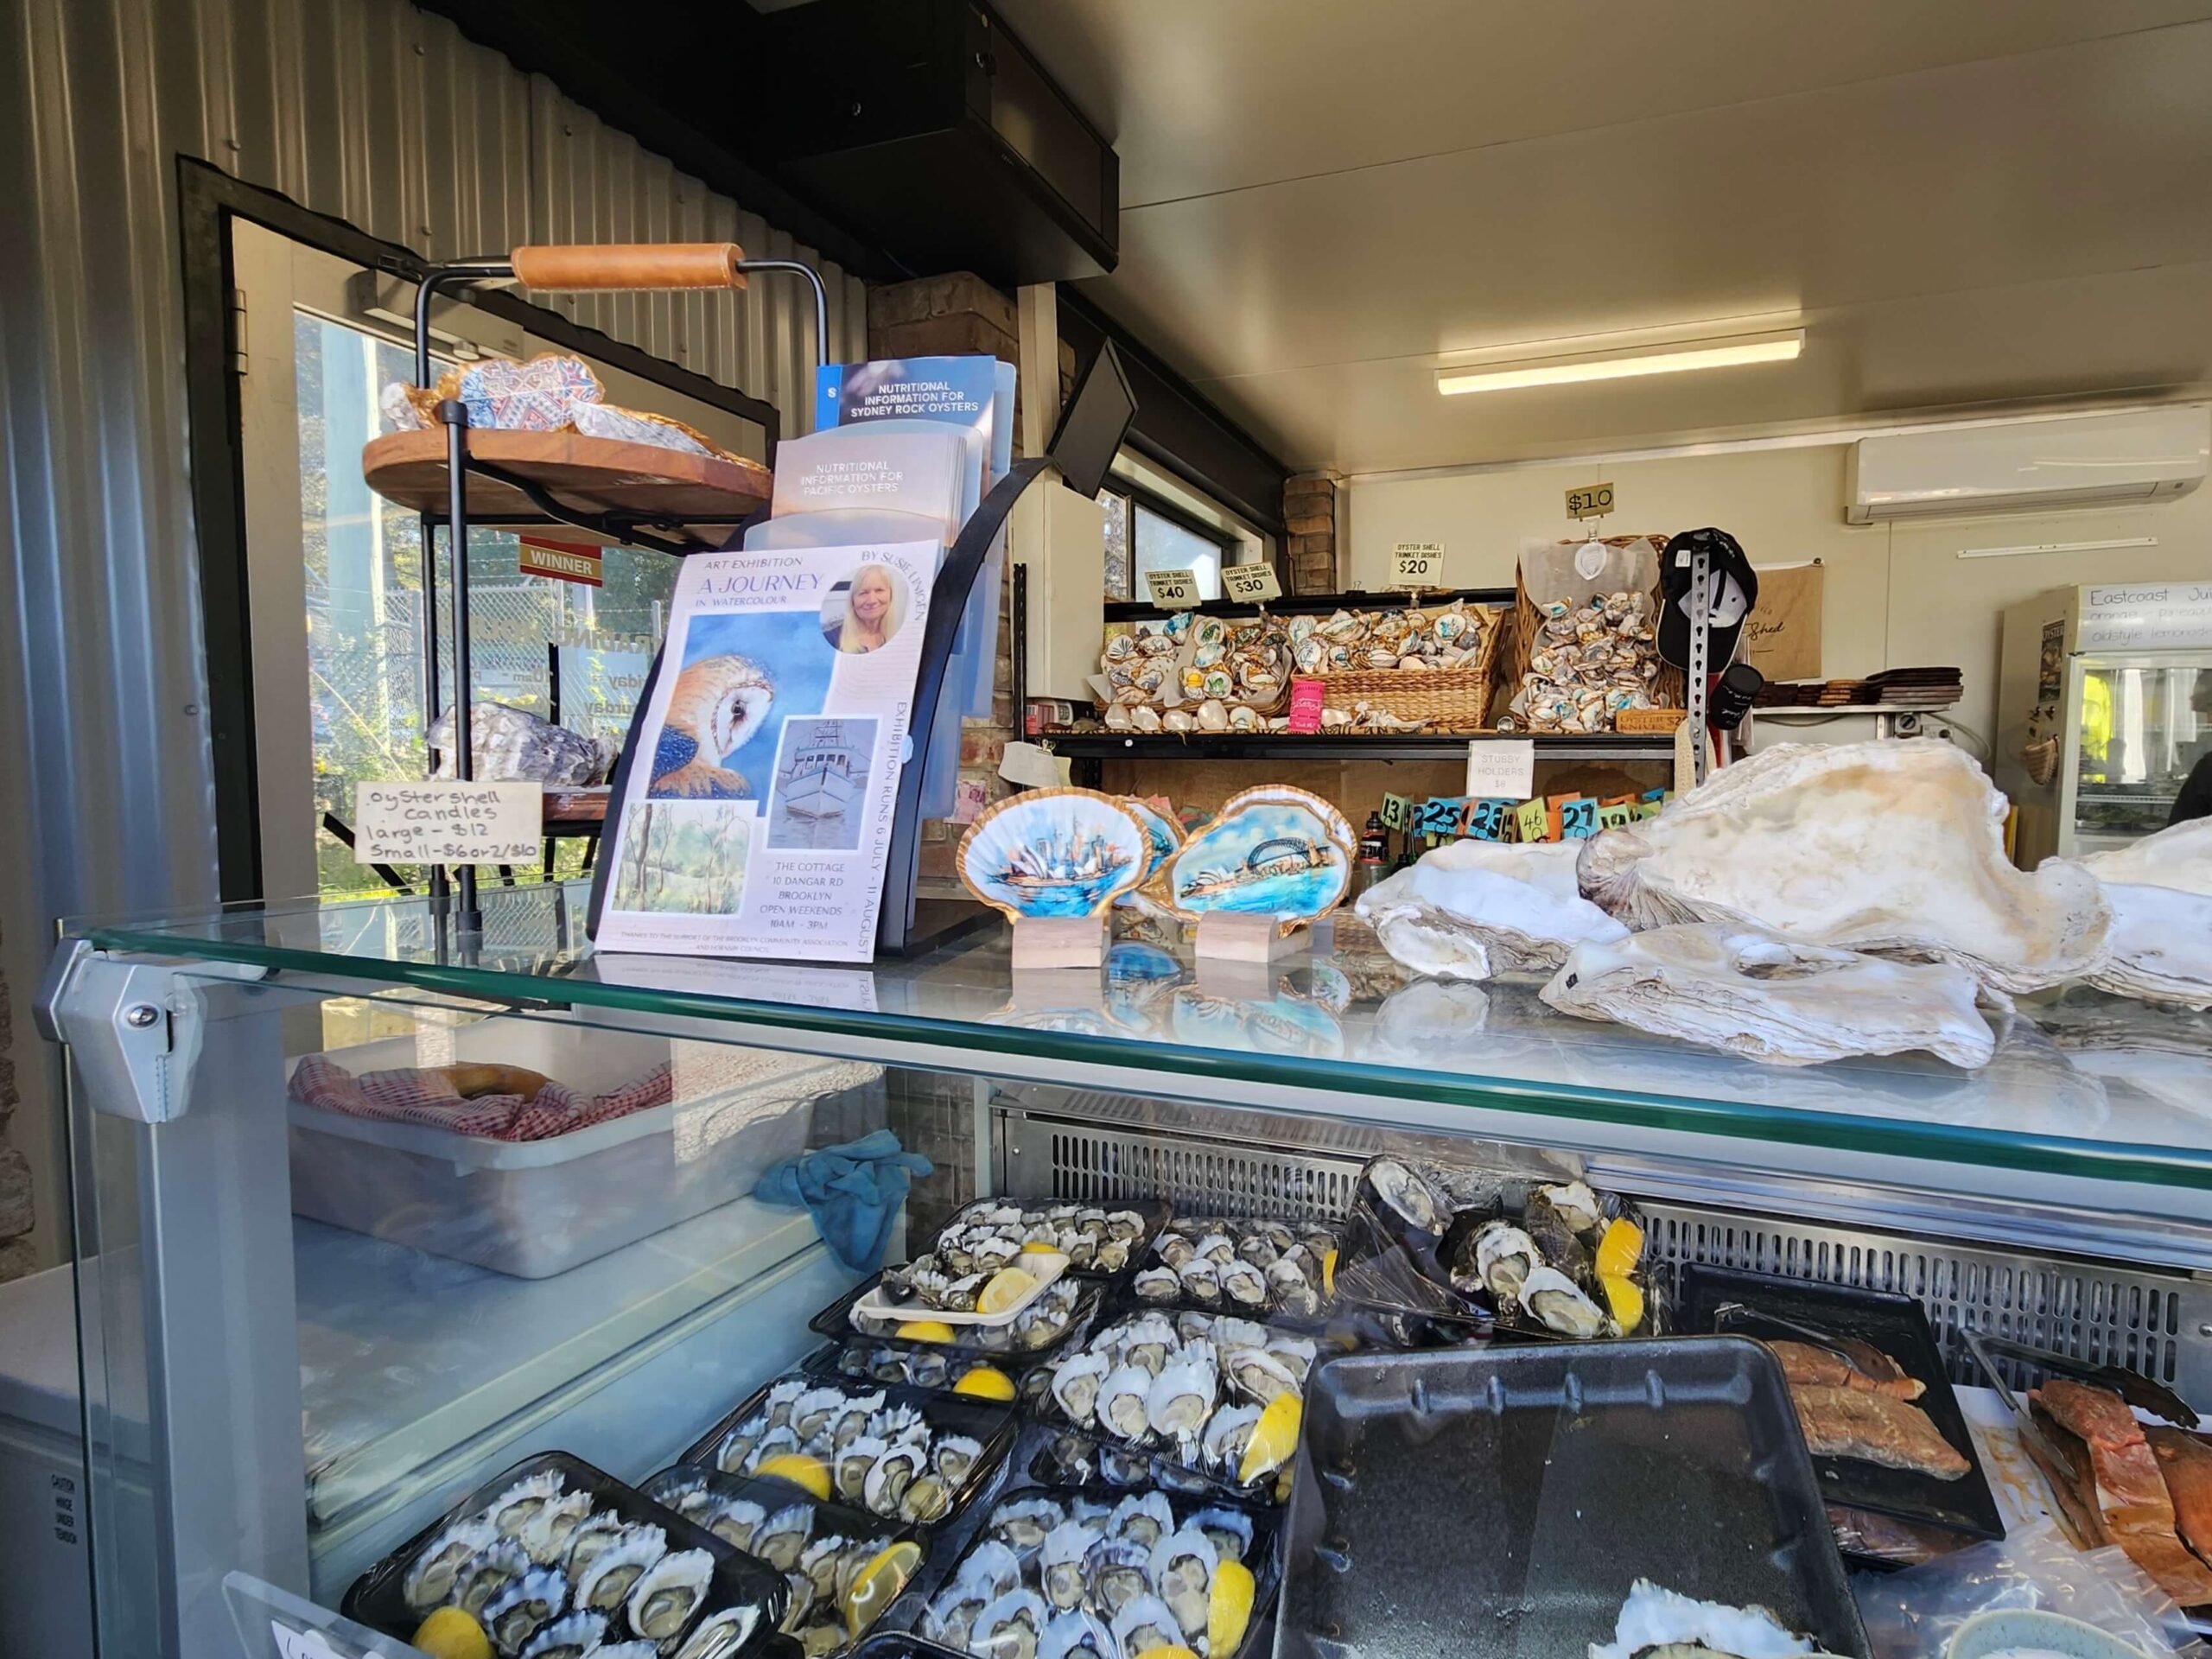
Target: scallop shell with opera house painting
1054	852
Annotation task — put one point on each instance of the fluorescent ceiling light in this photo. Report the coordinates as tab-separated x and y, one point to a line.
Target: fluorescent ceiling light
1619	365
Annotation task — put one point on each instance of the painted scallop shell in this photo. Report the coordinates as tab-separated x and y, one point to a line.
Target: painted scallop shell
1054	852
1271	851
1162	832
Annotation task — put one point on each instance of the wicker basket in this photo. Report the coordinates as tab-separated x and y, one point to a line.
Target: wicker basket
1528	625
1446	699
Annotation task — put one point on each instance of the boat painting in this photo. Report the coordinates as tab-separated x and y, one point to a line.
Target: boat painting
1274	851
1054	852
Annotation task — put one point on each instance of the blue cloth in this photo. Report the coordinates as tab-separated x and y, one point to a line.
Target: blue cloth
852	1191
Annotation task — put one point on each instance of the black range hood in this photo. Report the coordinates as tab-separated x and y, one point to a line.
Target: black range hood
902	137
929	126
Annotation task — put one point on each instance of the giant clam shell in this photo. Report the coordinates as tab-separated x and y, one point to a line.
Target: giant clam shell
1887	846
1271	851
1752	991
1472	909
2160	890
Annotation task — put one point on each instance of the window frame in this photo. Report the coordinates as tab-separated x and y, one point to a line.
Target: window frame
1138	498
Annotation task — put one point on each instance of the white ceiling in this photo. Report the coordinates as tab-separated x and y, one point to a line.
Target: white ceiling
1962	203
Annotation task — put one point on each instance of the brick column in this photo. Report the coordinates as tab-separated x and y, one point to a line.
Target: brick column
949	317
1309	512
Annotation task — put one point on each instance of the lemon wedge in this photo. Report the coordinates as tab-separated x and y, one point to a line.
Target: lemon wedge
1274	1437
879	1584
985	1382
1039	1247
1229	1609
1620	1250
810	1473
1329	1272
925	1331
1005	1293
448	1633
1167	1652
1623	1297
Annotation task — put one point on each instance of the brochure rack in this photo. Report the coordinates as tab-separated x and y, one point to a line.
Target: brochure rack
632	493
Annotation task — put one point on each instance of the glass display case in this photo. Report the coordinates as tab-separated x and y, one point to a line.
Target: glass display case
2139	723
369	1213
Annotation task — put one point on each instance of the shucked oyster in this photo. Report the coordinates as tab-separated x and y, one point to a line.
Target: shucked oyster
1890	847
1558	1303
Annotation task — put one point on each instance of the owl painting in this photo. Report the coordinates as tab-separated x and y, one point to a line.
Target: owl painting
718	703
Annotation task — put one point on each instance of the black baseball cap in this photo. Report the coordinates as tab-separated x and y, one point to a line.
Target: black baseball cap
1734	589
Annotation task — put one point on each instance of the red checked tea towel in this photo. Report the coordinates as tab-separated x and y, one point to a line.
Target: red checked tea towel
497	1103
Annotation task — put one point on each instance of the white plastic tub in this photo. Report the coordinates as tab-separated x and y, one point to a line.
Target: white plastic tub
536	1208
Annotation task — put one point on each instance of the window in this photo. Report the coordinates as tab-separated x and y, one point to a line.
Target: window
365	601
1145	532
335	573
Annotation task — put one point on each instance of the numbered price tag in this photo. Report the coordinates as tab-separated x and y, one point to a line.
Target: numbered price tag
1615	815
1486	820
1253	584
1591	501
1439	816
1417	565
1398	812
1173	590
1578	819
1532	820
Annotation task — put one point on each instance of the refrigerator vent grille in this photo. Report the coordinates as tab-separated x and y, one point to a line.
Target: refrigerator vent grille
2144	1321
1195	1174
2091	1311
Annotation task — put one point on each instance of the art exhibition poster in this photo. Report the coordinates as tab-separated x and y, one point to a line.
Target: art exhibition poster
755	813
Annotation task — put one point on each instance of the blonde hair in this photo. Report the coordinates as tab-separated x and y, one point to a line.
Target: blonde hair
894	616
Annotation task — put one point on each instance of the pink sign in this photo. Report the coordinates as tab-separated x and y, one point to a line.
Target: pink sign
1305	705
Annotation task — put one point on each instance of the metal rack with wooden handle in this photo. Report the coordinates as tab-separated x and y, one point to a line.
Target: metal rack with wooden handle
643	267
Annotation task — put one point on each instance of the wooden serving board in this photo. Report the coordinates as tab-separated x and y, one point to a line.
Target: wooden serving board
593	474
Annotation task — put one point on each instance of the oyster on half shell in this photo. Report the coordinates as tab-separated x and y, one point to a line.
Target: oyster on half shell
1783	1001
1893	848
1472	909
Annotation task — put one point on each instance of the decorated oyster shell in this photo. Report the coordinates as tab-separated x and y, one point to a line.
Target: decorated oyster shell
2160	890
1272	851
1754	992
1162	832
1886	847
1054	852
1472	909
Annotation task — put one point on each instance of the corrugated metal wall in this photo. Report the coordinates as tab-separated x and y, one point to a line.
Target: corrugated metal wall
365	109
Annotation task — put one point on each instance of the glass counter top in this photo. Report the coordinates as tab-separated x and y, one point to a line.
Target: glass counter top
2091	1103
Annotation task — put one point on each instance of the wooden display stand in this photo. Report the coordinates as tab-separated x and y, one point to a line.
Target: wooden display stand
1225	935
1055	941
699	496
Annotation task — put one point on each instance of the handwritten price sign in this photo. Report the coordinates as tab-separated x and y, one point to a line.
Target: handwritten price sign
1173	590
444	822
1255	584
1417	565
